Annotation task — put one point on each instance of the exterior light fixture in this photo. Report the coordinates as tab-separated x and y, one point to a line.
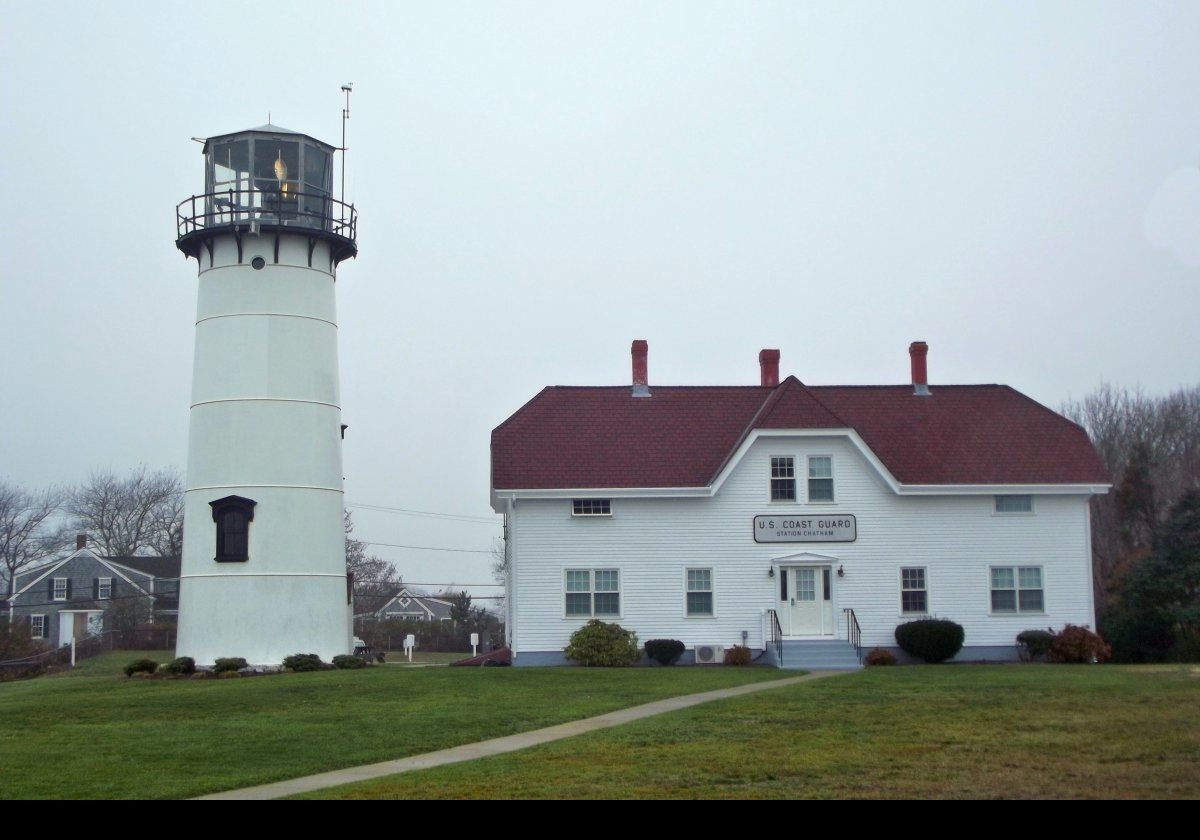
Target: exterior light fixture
771	572
841	572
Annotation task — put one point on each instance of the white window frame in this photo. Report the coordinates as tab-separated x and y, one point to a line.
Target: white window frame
809	478
591	508
791	459
57	581
924	588
40	632
102	585
1016	589
996	504
711	591
591	592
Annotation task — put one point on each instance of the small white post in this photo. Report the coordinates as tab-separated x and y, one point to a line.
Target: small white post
474	644
72	651
410	641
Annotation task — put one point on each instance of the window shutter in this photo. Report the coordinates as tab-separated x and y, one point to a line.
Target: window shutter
95	589
50	590
112	588
68	589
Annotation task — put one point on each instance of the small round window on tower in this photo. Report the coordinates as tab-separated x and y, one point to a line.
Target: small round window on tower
258	263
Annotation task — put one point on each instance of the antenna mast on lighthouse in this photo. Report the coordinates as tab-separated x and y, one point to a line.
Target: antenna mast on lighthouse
345	116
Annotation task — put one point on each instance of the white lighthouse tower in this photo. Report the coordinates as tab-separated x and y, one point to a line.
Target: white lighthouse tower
264	571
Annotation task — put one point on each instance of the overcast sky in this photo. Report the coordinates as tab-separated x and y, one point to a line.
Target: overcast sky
539	184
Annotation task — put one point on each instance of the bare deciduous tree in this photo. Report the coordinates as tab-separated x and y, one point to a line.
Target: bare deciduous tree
136	514
375	579
26	528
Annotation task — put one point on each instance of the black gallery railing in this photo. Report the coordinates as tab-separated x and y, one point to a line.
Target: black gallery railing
281	208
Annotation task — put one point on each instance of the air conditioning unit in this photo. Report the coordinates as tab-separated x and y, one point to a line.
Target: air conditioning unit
710	654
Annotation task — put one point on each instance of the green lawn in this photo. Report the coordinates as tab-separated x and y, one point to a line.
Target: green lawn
917	732
95	733
421	657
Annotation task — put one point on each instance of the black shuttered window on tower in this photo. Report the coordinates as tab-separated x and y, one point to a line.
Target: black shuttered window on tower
232	516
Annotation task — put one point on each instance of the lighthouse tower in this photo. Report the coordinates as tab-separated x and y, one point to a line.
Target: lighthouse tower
264	569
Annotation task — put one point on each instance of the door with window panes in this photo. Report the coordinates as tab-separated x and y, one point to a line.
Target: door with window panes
806	600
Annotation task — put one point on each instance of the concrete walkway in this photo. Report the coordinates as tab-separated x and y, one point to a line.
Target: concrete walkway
510	743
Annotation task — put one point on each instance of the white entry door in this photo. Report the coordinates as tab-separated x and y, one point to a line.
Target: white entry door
808	607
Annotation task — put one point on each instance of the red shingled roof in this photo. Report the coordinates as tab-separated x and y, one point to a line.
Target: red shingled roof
568	437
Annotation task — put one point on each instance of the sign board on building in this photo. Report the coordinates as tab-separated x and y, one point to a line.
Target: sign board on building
773	528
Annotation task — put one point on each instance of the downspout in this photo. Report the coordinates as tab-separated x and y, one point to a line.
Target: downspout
510	549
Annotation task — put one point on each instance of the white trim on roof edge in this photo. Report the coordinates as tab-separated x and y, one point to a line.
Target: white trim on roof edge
850	434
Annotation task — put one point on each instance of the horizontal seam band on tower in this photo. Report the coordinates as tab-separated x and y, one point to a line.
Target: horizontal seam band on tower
265	486
328	274
270	314
267	399
266	574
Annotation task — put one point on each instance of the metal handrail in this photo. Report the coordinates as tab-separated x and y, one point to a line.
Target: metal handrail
853	632
776	635
312	211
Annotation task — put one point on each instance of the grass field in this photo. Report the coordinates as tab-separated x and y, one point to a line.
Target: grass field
1036	731
421	657
94	733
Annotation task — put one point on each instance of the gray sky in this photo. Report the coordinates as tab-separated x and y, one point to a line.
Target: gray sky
539	184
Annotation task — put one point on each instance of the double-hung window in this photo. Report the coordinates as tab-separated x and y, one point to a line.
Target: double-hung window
783	479
37	626
592	593
699	592
1017	589
914	597
103	589
820	478
60	589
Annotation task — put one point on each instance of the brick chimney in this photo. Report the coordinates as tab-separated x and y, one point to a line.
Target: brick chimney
920	379
80	541
641	382
768	366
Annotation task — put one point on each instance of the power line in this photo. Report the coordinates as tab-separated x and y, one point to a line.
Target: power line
456	517
427	547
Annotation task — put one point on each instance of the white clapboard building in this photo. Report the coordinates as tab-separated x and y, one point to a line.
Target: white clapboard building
805	522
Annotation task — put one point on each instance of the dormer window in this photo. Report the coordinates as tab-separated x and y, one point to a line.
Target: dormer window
233	516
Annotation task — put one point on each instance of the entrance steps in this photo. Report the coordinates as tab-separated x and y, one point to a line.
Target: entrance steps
819	655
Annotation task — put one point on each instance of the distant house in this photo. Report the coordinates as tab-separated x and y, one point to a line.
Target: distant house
68	599
406	605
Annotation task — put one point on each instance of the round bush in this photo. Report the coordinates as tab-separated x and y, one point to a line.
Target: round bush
879	656
1034	644
931	639
348	662
664	651
737	655
182	665
228	664
1078	644
303	662
597	644
141	666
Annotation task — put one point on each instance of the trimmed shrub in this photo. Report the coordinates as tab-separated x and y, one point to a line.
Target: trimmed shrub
303	662
1033	645
141	666
228	664
738	655
348	662
664	651
879	656
931	639
597	644
182	665
1078	644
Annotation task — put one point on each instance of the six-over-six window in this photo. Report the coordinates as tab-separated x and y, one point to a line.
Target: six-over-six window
699	592
914	597
1017	589
592	592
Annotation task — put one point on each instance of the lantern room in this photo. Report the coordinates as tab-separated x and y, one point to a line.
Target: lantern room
267	179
